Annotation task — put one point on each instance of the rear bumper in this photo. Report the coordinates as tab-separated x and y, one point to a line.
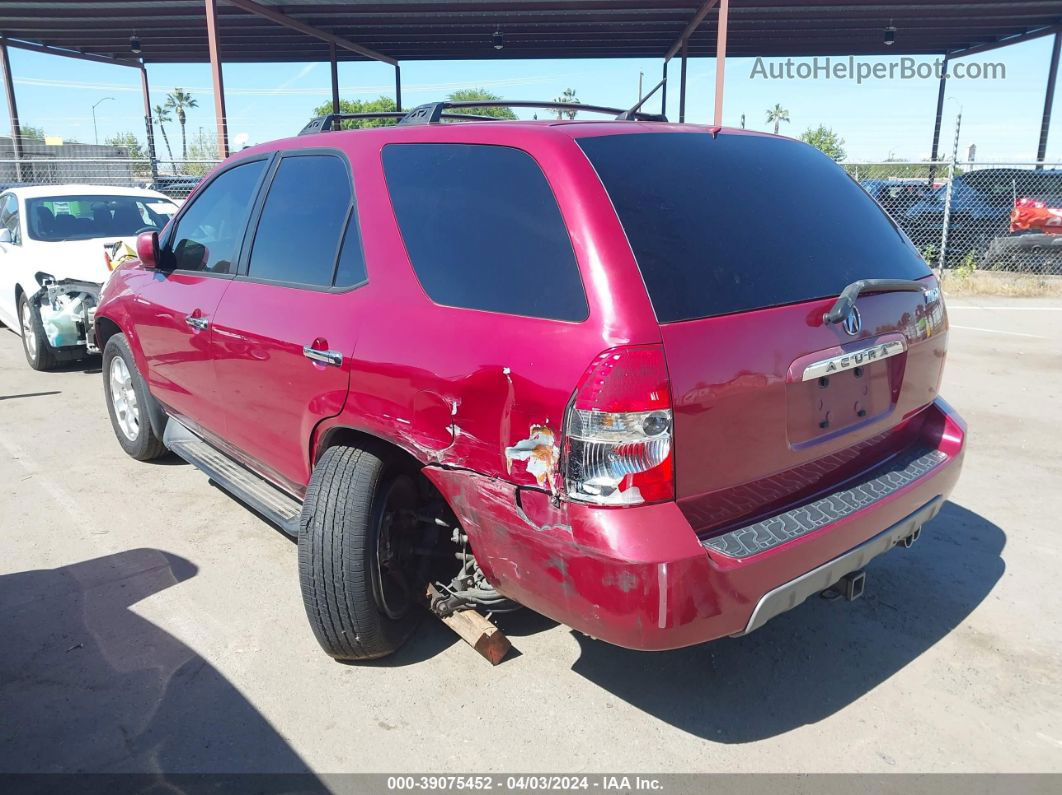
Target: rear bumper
789	595
641	578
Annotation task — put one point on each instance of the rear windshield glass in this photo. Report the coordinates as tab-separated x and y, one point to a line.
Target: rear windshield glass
741	222
58	218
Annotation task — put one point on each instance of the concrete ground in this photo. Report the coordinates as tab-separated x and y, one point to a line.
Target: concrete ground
148	622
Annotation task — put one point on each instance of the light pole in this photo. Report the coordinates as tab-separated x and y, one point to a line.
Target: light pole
96	135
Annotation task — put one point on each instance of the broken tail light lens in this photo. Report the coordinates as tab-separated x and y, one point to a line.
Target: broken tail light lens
617	441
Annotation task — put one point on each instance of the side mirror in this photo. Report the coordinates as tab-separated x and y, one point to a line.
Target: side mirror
147	249
5	235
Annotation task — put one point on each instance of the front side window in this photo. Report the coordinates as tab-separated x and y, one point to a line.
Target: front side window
302	221
208	234
483	230
52	219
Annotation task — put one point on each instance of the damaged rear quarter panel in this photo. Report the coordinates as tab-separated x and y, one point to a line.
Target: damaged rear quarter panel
464	388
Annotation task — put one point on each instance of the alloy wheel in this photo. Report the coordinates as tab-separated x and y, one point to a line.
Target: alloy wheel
29	335
123	399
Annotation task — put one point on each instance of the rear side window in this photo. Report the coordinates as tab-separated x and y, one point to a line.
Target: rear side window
739	222
209	232
302	221
351	268
483	230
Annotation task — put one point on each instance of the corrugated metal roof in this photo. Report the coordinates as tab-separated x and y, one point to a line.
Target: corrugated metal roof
175	30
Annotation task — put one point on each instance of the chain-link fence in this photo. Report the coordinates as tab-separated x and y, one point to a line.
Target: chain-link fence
31	160
1003	217
175	178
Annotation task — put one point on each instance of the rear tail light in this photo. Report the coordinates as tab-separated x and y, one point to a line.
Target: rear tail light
617	440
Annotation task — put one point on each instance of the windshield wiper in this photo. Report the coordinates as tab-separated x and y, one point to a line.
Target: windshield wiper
839	311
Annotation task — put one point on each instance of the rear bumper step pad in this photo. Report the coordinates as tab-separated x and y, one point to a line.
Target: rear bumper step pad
789	595
784	527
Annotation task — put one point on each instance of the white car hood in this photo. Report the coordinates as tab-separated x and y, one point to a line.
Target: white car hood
81	260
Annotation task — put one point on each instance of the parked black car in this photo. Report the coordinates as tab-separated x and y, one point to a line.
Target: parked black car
981	202
897	196
176	186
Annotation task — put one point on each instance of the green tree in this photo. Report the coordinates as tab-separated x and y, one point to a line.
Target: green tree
36	133
475	94
776	115
824	138
204	154
379	105
567	96
180	101
162	115
128	142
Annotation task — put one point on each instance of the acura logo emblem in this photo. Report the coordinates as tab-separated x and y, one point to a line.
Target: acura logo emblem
852	322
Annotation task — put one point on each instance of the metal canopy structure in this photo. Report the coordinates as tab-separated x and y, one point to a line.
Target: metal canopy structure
175	31
258	31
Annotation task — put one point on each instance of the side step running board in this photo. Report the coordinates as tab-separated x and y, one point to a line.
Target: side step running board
276	506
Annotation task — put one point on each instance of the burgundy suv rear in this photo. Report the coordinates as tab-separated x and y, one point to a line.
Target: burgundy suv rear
658	382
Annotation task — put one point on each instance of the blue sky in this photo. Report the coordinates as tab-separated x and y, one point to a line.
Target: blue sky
877	119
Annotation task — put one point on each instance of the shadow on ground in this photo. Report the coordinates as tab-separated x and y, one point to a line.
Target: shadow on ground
811	662
91	364
86	685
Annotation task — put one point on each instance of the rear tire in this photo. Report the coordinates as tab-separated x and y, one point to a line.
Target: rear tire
356	534
127	402
35	345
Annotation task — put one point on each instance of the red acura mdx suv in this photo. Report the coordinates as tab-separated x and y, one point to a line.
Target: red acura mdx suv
658	382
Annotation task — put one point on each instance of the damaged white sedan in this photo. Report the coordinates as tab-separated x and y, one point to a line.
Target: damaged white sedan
58	245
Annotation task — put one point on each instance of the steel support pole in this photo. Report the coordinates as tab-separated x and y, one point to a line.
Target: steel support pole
218	81
663	93
12	109
335	77
1049	101
148	123
682	82
948	196
720	60
398	87
934	151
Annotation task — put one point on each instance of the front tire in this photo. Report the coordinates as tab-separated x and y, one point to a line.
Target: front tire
127	401
39	353
357	559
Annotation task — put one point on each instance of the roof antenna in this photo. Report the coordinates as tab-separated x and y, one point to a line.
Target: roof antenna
631	113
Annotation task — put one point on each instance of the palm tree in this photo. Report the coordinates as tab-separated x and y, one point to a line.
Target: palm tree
777	114
162	115
567	96
179	101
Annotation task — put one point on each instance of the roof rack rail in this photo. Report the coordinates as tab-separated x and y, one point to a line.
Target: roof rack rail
431	112
331	121
435	112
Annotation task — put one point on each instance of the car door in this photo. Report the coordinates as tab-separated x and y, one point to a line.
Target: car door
285	330
11	258
176	303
